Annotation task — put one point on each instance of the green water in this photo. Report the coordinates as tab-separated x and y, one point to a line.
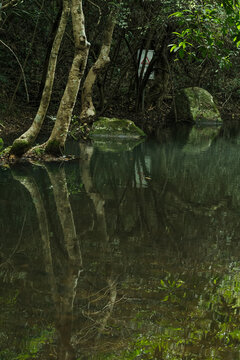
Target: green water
124	254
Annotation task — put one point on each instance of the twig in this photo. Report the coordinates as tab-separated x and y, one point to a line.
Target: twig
226	100
18	243
27	56
24	78
51	20
8	4
99	10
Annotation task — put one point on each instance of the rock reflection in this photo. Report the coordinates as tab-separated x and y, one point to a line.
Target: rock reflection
200	139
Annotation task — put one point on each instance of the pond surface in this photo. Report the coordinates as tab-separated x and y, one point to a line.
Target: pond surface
124	254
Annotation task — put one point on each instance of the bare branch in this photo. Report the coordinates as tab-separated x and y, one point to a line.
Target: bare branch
10	3
24	78
99	10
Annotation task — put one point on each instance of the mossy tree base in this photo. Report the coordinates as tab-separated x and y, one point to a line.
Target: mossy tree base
54	147
20	147
35	156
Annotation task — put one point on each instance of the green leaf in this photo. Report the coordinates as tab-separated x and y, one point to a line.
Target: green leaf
177	14
173	48
162	283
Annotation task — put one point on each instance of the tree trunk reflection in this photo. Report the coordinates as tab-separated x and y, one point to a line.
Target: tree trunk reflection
63	288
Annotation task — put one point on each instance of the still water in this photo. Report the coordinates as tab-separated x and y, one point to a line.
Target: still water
130	252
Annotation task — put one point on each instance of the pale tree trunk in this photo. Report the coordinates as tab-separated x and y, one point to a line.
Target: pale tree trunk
26	140
56	142
88	109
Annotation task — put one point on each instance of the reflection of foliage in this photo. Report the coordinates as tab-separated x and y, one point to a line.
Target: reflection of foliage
197	320
28	341
35	344
74	183
9	274
75	188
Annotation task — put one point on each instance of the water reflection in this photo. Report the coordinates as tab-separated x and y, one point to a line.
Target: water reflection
63	286
200	139
123	255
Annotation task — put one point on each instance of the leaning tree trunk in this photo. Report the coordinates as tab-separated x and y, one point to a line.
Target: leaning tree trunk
26	140
49	46
88	109
56	142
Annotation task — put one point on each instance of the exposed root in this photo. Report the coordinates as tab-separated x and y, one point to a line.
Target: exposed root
38	150
37	154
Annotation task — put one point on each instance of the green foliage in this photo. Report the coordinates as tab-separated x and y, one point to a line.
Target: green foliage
39	151
207	30
1	144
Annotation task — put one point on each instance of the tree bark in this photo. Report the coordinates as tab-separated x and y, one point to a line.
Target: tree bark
88	109
56	142
51	38
26	140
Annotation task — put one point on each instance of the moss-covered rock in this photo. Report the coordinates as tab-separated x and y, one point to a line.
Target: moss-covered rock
115	128
195	104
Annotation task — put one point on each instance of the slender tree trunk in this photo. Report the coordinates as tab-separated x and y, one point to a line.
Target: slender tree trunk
88	109
144	75
51	38
25	141
56	142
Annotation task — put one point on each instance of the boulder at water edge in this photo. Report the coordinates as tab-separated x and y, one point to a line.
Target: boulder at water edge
195	104
115	128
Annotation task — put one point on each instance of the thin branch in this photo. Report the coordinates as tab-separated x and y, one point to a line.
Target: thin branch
24	78
18	243
51	20
13	2
99	10
27	56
